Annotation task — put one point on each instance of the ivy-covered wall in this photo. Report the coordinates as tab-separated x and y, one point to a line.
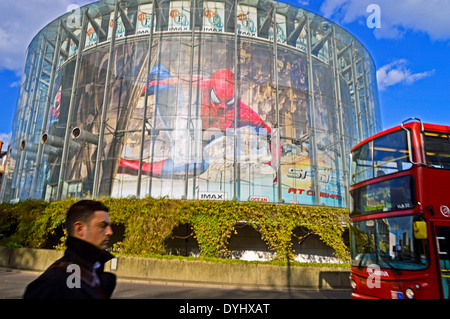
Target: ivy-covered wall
148	222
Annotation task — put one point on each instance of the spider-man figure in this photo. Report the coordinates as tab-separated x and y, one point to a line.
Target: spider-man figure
217	107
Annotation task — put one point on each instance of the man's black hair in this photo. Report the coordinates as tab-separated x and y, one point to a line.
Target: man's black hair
83	211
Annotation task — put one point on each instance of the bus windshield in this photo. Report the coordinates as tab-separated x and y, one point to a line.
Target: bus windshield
384	155
388	243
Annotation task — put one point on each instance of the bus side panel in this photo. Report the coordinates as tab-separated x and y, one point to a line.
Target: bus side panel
435	190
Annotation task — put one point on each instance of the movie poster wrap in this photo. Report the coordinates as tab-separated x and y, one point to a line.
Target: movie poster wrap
213	16
247	21
179	16
144	19
197	149
281	29
196	143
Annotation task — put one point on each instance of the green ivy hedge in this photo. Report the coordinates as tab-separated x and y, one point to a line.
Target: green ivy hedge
148	222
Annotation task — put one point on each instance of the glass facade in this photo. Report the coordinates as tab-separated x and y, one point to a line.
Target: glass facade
209	103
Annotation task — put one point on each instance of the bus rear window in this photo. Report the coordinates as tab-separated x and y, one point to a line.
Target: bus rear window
385	155
437	149
390	195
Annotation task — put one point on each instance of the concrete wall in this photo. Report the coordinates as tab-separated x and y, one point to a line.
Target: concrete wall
188	271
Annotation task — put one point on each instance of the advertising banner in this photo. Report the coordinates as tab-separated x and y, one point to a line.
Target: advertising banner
91	35
179	16
144	18
247	21
301	40
281	29
73	47
213	16
120	32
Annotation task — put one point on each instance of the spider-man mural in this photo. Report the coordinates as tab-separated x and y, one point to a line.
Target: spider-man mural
217	105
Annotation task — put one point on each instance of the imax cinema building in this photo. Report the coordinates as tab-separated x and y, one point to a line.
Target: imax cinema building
229	100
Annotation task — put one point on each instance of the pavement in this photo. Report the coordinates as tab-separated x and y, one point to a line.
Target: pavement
14	282
178	300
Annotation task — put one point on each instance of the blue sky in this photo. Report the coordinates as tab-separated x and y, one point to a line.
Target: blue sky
411	51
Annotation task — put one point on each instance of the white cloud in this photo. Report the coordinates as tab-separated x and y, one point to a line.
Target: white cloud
15	84
303	2
397	73
397	16
5	138
20	21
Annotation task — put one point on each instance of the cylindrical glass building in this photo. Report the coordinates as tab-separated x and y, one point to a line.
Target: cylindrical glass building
191	99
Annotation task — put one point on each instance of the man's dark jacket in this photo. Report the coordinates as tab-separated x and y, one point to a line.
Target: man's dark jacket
52	284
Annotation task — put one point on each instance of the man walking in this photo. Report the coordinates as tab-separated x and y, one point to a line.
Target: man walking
79	273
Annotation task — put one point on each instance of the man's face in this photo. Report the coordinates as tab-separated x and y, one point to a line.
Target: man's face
98	231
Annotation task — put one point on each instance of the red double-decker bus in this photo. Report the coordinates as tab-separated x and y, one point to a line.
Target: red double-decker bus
400	213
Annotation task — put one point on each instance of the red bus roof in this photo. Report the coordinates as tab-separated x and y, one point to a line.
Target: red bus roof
412	125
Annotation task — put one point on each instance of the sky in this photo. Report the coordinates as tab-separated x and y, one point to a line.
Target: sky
409	41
